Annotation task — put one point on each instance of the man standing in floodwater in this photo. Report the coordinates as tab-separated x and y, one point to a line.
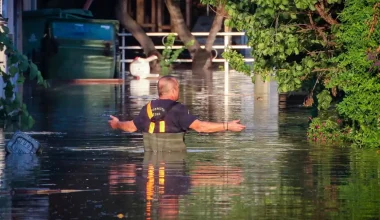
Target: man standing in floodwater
164	121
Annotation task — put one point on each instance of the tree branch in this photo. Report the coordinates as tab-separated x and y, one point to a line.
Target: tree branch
135	29
318	30
138	33
321	51
375	19
180	26
215	28
323	69
217	12
321	11
309	28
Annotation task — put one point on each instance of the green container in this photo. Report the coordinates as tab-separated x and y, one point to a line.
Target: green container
81	49
34	27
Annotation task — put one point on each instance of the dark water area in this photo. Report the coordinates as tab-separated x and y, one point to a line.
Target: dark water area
268	171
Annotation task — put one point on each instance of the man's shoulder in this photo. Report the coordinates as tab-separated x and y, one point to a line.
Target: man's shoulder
173	105
181	108
179	105
167	102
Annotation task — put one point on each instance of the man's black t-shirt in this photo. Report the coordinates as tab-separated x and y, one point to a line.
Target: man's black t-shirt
177	119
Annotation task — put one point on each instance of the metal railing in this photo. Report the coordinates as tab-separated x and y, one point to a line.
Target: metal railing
227	36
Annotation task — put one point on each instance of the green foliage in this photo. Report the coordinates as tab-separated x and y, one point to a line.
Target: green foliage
11	106
324	100
169	55
327	131
334	43
236	59
358	66
285	39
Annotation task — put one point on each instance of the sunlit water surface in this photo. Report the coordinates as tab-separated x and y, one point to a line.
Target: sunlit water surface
268	171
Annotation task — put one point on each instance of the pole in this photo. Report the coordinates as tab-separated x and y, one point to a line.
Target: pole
123	57
123	73
226	66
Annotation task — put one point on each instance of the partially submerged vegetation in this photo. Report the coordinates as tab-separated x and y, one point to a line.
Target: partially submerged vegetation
11	105
329	48
169	55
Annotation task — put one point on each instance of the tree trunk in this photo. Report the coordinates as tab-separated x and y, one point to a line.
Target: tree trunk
181	28
215	28
87	4
203	58
138	33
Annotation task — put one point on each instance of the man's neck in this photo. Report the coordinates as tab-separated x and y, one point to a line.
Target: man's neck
166	97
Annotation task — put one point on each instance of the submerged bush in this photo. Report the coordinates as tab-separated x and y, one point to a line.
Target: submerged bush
357	75
335	44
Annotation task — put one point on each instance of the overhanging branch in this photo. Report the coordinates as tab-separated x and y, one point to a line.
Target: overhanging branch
319	30
327	17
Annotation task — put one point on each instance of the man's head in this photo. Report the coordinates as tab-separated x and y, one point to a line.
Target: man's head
168	88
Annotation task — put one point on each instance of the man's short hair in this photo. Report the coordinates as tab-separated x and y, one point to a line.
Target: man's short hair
166	84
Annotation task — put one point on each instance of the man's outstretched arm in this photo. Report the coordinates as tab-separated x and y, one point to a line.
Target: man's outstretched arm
209	127
128	126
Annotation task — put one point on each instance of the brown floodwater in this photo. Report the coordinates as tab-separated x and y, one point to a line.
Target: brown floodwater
268	171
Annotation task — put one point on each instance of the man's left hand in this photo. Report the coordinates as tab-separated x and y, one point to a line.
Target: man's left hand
114	122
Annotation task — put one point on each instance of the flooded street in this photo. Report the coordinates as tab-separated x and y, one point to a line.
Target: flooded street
268	171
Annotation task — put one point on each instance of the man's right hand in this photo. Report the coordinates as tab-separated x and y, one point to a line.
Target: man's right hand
114	122
235	126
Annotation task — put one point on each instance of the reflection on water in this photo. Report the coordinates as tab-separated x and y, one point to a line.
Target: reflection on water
269	171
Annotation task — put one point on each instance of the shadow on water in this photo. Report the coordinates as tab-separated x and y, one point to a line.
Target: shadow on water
268	171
